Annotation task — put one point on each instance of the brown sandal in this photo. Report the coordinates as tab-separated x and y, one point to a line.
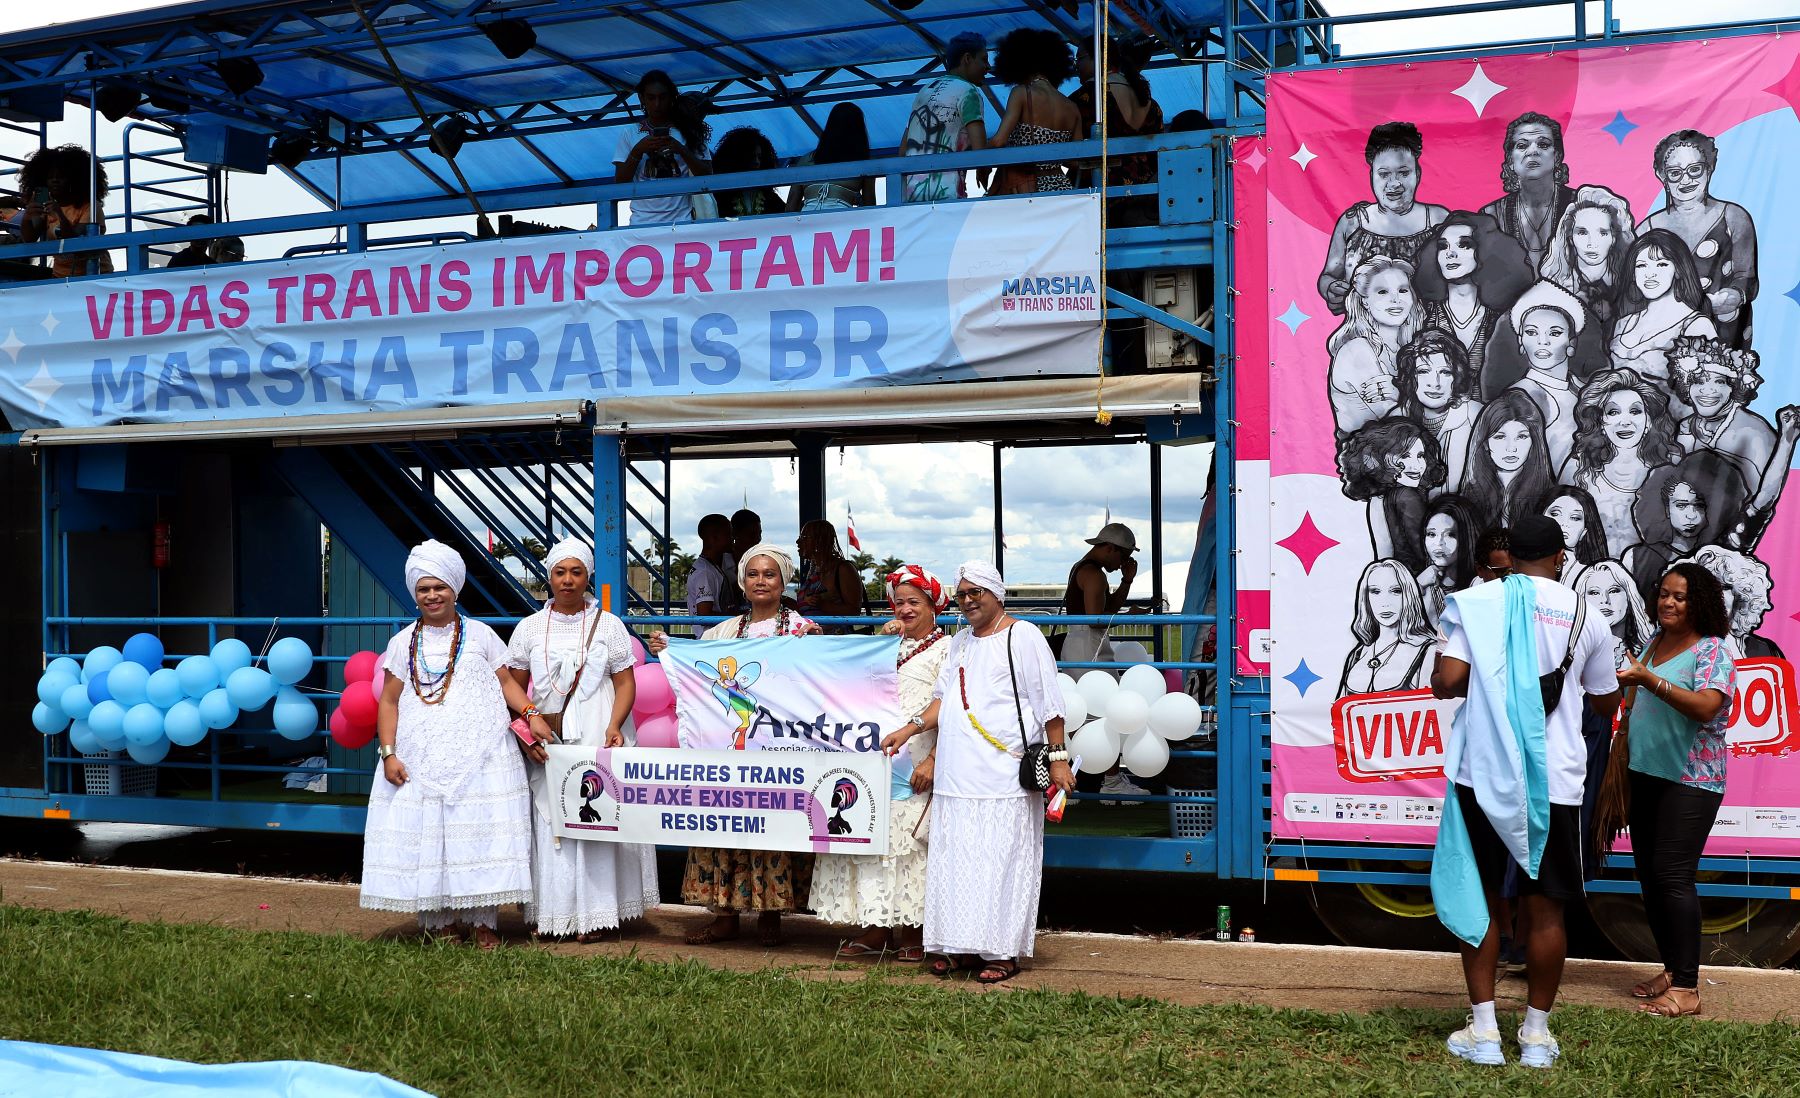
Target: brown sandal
1001	971
1667	1005
712	933
1654	988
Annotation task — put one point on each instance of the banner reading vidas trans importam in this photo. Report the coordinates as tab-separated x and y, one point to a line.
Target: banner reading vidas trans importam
813	301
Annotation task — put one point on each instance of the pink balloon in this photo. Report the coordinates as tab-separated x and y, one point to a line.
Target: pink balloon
377	683
653	693
1173	677
657	730
361	666
638	653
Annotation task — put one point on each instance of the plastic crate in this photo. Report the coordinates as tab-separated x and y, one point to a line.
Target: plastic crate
131	780
1191	821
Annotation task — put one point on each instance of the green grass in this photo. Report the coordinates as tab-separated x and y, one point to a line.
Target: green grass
522	1021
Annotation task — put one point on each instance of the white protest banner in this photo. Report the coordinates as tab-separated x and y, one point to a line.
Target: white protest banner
818	802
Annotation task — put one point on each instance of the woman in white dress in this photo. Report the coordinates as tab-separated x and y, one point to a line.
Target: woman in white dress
448	835
886	895
987	832
768	883
575	659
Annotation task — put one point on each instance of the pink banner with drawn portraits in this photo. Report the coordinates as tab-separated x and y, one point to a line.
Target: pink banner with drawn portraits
1565	284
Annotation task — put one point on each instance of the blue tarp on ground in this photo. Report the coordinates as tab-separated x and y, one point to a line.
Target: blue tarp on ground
29	1070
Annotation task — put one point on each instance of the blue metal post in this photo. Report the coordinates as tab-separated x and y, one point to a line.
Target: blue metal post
609	522
1239	816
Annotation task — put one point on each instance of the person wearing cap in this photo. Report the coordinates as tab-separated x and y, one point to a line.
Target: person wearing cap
995	695
947	117
1522	652
448	836
574	659
1087	591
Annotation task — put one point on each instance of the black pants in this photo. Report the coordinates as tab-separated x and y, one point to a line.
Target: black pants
1669	825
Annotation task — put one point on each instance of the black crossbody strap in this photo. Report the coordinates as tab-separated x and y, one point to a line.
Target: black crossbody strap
1013	674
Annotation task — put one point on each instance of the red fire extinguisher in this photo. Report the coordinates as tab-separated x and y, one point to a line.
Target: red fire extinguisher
159	545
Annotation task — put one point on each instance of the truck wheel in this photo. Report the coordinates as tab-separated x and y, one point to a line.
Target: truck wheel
1382	916
1734	930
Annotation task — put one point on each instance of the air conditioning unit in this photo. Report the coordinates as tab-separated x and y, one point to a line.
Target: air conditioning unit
1174	292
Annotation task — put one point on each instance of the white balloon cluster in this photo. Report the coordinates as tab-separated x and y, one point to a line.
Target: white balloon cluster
1130	720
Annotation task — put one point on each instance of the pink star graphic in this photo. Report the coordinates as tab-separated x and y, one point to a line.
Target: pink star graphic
1256	159
1788	89
1307	543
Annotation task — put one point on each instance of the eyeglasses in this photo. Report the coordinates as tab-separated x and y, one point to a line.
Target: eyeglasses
1691	172
971	594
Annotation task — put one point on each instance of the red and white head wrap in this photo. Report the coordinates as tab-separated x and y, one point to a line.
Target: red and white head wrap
911	575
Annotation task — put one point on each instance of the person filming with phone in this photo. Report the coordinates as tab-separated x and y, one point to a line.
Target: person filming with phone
669	142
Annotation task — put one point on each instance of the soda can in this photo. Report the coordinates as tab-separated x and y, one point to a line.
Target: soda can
1222	931
1246	935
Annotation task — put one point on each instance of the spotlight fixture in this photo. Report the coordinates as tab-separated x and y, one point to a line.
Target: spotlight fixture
512	37
290	149
171	98
116	101
239	73
447	137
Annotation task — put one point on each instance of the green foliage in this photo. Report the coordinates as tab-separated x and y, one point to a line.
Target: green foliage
455	1021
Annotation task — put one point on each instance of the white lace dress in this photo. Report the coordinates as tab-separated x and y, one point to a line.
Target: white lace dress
873	890
457	836
987	833
579	885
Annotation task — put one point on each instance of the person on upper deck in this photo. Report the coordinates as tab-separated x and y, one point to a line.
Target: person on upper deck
946	117
63	189
712	584
1130	112
1034	62
746	531
845	141
669	142
746	149
197	253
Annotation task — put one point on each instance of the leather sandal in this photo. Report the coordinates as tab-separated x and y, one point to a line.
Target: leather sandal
942	967
1667	1005
994	972
1653	988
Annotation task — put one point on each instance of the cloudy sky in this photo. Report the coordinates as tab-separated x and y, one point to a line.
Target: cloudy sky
934	503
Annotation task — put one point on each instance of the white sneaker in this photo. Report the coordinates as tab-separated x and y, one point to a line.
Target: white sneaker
1476	1046
1537	1051
1119	784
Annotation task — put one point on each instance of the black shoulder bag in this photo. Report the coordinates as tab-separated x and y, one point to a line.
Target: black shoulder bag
1550	683
1034	764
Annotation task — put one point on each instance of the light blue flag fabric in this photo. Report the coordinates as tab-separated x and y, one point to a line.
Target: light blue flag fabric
1500	730
30	1070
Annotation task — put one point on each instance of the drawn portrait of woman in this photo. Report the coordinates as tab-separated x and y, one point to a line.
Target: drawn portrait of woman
1394	224
1747	586
1576	514
1536	181
1609	589
1623	432
1720	234
1393	639
1659	303
1718	382
1467	274
1436	392
1392	463
1381	315
1508	468
1587	256
1693	503
1548	321
1449	535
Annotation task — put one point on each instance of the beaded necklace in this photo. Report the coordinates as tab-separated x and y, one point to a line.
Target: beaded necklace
781	624
924	642
434	691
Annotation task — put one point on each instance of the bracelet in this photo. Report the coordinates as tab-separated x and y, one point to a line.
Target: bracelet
531	711
1662	688
385	751
1059	753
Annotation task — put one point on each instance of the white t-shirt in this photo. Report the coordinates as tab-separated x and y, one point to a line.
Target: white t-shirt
668	209
1591	672
705	584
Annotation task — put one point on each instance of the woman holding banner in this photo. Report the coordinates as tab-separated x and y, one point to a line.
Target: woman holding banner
886	895
449	829
995	695
575	660
731	882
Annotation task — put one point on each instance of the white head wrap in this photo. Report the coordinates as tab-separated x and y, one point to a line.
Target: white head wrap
435	559
983	575
784	561
1544	294
570	549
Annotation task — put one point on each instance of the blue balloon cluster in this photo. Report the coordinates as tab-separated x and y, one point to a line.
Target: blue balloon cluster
128	701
